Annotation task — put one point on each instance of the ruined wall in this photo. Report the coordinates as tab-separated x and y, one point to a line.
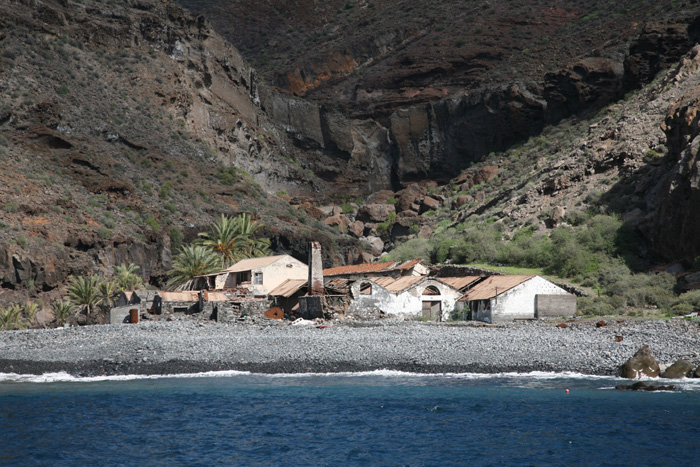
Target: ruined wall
410	302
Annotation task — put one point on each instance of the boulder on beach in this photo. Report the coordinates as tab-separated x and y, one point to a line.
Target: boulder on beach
642	364
680	369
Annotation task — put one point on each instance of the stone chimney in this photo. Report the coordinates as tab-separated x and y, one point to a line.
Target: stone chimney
315	269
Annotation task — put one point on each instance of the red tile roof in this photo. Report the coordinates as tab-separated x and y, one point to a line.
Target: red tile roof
409	264
369	268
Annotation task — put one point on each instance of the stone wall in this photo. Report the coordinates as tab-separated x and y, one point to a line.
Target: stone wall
554	306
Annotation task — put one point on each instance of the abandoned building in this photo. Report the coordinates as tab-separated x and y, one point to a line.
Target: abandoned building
219	306
286	295
463	284
507	298
259	275
410	296
389	269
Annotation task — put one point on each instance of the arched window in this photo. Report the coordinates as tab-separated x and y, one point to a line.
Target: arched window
431	290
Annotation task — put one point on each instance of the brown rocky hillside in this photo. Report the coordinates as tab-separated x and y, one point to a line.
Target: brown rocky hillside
125	128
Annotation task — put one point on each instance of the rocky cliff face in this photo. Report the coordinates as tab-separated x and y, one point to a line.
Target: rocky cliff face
125	128
674	227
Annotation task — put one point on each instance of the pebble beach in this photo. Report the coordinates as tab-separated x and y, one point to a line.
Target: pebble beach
178	347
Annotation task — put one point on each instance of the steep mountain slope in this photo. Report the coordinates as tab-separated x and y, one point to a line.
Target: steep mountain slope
428	89
125	128
457	85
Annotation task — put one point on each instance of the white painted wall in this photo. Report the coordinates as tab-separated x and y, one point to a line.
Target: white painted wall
407	303
519	302
274	274
279	271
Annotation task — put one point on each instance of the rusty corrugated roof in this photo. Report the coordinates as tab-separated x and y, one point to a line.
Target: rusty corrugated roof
288	288
252	263
408	264
338	285
368	268
215	296
460	282
187	296
495	285
402	283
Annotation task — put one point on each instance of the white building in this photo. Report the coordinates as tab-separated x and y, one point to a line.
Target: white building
259	275
413	296
507	298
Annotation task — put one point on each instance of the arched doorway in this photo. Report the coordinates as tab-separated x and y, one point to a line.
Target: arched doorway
432	304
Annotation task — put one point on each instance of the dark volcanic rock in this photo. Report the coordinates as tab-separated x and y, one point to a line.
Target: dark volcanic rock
592	82
657	47
641	386
674	227
642	364
680	369
375	212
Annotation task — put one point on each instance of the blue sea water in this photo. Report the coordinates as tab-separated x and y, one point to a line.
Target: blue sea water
377	418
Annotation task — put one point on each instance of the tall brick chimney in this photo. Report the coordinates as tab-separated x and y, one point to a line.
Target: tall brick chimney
315	269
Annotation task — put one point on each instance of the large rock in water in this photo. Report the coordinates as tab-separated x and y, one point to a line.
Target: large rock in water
678	370
642	364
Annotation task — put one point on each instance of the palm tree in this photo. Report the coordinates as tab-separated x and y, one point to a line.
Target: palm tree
234	238
106	293
190	262
62	310
254	246
10	317
84	291
127	277
31	309
225	239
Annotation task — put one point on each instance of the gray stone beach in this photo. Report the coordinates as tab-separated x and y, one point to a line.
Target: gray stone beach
191	346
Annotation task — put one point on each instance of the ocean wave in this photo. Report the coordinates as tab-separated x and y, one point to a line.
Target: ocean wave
63	377
515	379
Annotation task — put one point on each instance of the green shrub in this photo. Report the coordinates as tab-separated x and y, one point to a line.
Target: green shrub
10	207
414	248
153	224
62	90
176	237
681	309
595	306
104	233
21	241
228	175
691	298
165	190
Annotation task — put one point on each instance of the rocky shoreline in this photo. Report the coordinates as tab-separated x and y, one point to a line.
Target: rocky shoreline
190	347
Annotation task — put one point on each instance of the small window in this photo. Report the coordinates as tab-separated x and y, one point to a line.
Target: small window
365	288
431	290
258	278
